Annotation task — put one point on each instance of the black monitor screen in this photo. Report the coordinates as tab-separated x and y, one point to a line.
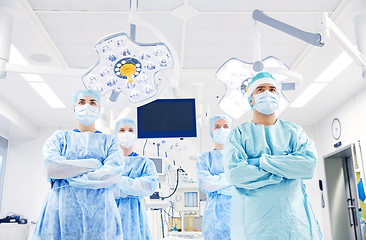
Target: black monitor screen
167	118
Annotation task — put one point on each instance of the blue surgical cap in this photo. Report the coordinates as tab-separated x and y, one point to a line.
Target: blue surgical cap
85	93
218	117
124	121
260	78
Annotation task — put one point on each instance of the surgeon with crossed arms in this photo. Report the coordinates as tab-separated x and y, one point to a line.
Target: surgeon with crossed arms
266	160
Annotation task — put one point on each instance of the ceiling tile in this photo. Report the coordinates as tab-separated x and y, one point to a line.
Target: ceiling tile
267	5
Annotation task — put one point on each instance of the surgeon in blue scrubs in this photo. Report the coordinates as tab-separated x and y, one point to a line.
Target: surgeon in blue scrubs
139	179
81	165
266	160
212	181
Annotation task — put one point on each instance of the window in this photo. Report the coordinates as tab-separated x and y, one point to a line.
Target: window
3	151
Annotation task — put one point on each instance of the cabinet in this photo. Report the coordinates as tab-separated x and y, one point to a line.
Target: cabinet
14	231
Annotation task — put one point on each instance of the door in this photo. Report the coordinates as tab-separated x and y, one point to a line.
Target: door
342	194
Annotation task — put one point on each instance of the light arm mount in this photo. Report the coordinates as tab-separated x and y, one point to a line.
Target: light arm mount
312	38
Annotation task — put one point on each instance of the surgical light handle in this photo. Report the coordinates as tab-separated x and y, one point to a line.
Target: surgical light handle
312	38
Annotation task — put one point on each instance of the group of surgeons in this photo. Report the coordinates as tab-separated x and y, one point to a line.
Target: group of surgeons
253	178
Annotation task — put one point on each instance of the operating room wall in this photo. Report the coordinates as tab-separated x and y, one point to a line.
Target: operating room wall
352	116
4	135
26	186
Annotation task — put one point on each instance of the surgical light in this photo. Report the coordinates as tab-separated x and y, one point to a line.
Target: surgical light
138	70
127	66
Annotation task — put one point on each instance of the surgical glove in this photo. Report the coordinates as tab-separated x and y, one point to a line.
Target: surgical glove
254	161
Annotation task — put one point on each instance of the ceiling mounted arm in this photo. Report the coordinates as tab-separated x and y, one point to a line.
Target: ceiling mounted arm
6	23
312	38
134	5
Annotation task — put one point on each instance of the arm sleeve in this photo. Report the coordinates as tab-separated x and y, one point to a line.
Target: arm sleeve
57	166
141	186
239	173
300	164
208	182
106	176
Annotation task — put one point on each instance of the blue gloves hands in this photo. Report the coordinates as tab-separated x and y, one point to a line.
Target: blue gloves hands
254	161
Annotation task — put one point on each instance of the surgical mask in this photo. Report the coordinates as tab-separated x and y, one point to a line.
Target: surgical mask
220	135
86	114
126	139
266	102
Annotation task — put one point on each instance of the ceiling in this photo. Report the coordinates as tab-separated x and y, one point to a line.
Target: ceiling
204	34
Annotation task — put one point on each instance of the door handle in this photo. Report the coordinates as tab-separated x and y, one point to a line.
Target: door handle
350	213
351	209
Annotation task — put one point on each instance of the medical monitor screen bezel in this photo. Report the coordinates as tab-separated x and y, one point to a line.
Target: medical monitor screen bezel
186	108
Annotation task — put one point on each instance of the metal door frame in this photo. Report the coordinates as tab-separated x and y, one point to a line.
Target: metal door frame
345	154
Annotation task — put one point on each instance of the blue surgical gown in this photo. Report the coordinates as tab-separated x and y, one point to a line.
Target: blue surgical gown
81	168
270	201
212	181
139	179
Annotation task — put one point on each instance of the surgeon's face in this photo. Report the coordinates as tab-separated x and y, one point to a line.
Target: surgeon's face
262	88
221	123
126	128
87	100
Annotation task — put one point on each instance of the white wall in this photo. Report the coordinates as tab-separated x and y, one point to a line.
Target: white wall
25	183
352	115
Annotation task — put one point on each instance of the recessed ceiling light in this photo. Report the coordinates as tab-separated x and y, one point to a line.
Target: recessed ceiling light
42	58
47	94
335	68
312	90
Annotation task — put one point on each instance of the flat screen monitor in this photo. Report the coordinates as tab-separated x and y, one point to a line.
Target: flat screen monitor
167	118
158	164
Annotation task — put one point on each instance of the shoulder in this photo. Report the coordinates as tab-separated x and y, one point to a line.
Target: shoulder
290	126
59	135
240	133
206	155
148	162
138	160
144	159
239	130
110	140
108	137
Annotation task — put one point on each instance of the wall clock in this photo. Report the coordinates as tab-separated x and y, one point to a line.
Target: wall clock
336	128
